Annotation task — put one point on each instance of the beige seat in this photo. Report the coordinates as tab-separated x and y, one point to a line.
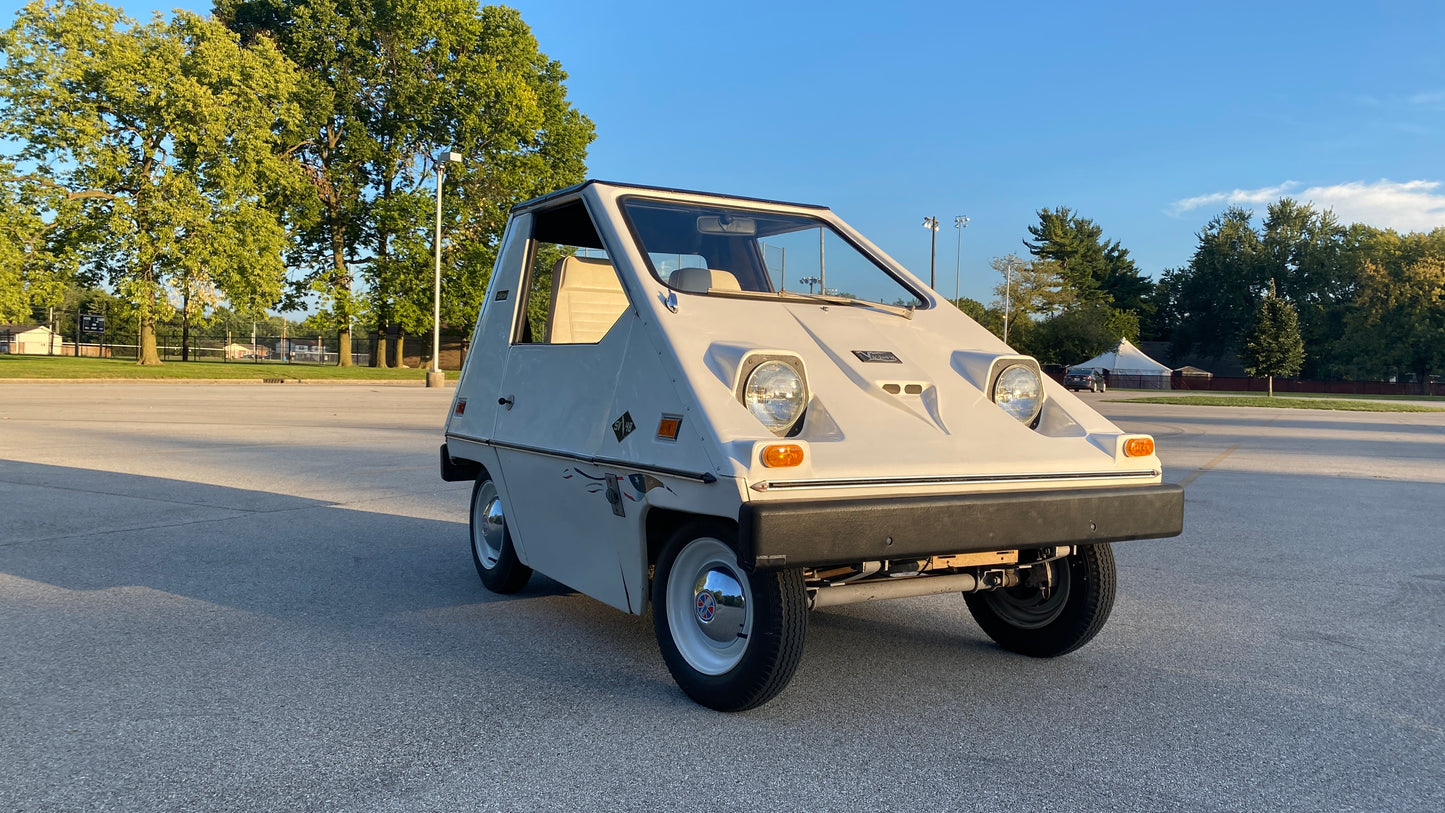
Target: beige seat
702	280
587	299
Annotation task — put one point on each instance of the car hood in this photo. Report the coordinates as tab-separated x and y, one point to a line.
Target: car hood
925	414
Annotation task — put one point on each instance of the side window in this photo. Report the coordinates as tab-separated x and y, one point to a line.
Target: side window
573	293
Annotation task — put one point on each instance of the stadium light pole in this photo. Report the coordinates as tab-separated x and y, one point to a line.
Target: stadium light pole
435	377
1008	280
960	222
931	223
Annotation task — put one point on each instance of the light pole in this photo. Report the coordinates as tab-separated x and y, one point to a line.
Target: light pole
1008	271
931	223
435	377
960	222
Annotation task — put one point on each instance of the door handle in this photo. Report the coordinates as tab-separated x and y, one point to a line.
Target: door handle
506	401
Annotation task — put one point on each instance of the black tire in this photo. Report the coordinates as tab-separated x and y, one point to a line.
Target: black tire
492	550
722	667
1021	620
1093	388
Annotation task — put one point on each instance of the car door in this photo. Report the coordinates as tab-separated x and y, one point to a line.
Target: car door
562	365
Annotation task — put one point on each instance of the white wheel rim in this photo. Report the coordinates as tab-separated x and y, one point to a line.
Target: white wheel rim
489	526
709	606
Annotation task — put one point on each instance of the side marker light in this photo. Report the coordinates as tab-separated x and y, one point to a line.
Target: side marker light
668	427
1139	447
782	455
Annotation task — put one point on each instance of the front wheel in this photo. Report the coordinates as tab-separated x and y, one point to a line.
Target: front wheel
1045	623
492	550
731	639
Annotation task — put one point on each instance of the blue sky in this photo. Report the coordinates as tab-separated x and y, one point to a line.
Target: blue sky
1148	118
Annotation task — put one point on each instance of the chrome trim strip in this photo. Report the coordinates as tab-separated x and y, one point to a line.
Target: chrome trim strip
701	477
948	480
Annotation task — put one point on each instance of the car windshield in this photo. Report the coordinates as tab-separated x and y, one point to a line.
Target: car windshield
743	252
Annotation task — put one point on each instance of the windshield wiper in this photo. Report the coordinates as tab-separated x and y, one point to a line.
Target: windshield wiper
898	310
906	311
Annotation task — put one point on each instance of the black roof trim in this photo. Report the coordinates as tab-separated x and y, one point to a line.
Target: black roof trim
527	204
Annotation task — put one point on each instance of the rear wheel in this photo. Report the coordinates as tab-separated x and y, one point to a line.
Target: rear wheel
492	549
731	639
1046	623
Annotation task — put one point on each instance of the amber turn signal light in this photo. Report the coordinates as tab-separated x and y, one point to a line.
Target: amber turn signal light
668	427
782	455
1139	447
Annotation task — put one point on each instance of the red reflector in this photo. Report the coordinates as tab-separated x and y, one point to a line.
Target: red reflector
461	406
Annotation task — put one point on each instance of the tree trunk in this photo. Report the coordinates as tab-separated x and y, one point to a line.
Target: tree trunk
186	323
380	359
342	281
147	354
1270	378
400	350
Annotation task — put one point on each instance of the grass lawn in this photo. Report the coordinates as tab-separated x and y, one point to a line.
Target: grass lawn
17	366
1327	395
1314	402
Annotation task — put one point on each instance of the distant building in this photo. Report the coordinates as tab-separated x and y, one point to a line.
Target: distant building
30	340
245	351
1227	364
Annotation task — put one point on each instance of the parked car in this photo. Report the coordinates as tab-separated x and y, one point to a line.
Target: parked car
736	411
1082	379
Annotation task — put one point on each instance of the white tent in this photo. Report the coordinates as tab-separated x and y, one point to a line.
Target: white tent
1127	366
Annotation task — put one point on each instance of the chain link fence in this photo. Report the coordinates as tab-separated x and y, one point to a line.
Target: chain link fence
267	344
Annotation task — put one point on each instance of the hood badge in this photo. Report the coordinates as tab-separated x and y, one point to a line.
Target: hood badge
877	356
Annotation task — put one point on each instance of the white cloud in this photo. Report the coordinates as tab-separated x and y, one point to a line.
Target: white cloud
1238	197
1408	206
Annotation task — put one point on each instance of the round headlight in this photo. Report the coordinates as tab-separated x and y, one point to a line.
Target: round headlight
775	394
1020	392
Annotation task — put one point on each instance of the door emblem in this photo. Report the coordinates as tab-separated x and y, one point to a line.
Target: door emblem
622	427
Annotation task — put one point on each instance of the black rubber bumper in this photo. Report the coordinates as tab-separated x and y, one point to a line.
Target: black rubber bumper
814	533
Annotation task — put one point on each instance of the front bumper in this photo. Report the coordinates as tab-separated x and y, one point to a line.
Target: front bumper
815	533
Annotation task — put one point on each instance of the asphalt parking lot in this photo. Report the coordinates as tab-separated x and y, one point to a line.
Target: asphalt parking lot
260	597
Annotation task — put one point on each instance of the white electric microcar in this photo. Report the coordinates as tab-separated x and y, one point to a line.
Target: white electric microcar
740	411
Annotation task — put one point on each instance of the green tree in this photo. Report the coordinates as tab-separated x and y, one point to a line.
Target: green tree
332	43
1028	291
1272	346
1305	253
1080	332
1397	324
990	318
1096	270
38	262
167	131
394	84
1216	295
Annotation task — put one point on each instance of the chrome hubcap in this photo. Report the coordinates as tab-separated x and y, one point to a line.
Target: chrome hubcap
721	608
489	526
709	606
